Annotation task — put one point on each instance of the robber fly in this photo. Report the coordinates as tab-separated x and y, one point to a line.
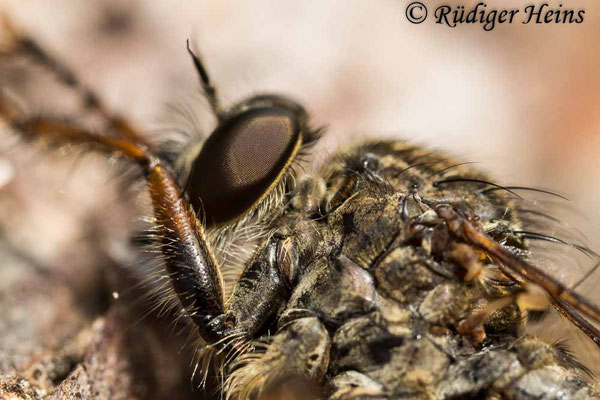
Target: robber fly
394	272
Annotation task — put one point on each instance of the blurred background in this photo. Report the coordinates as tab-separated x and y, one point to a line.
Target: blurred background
522	100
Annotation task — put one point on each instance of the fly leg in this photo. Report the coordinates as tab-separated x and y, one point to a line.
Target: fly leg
262	289
568	303
189	260
532	298
15	42
468	259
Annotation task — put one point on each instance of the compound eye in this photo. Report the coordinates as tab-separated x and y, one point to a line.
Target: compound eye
242	162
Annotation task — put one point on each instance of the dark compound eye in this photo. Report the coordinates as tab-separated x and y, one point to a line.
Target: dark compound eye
242	161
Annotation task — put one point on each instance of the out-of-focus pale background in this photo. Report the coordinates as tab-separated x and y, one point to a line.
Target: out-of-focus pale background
523	100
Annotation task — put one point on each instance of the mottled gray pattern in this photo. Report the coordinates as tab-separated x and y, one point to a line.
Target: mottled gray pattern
382	282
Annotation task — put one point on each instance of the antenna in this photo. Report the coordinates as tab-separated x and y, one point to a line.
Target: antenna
209	90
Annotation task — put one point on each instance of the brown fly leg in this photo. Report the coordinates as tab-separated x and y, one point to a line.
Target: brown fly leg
468	259
532	298
15	42
473	325
189	261
565	300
